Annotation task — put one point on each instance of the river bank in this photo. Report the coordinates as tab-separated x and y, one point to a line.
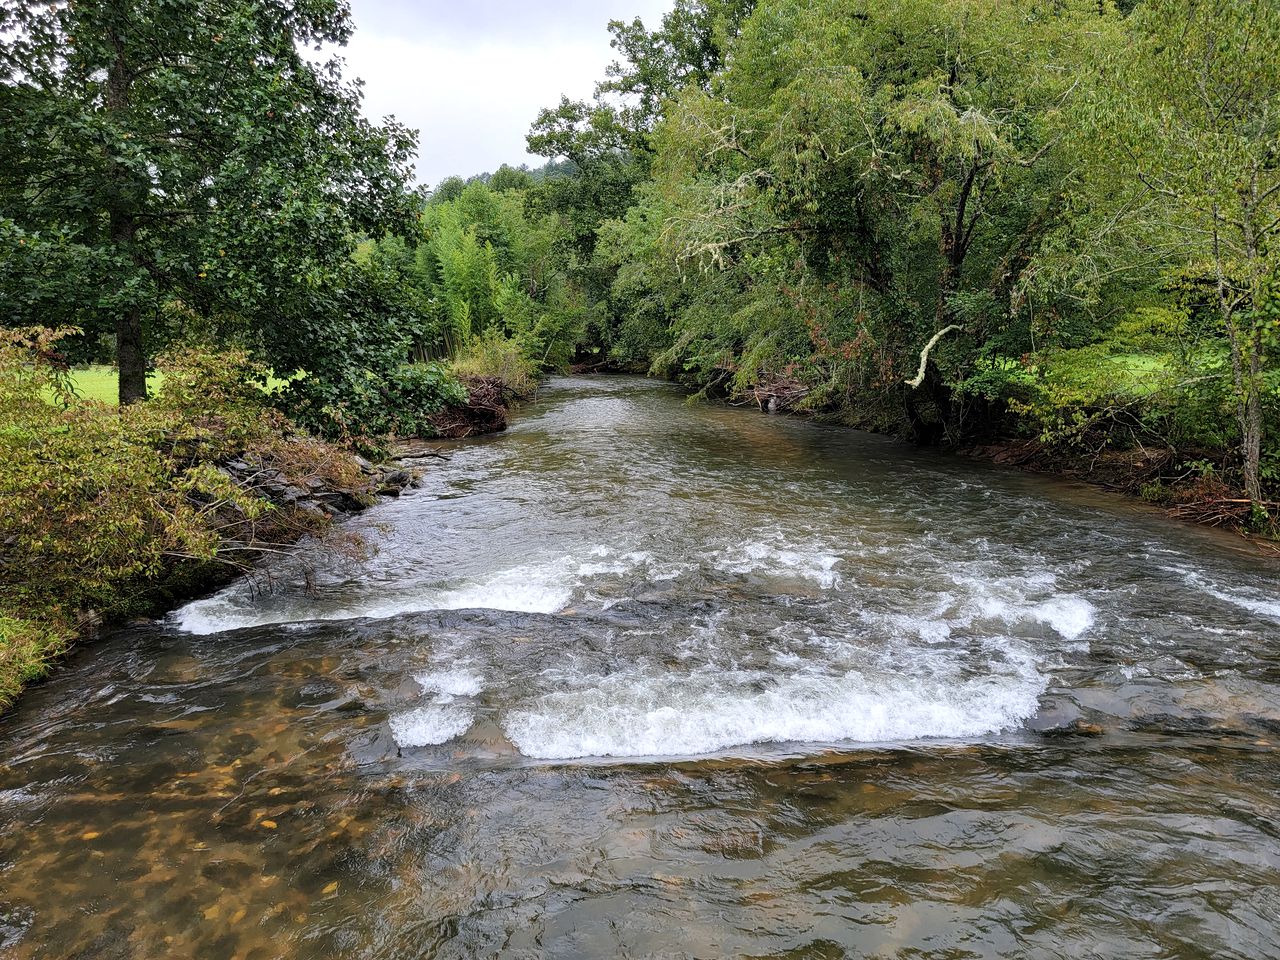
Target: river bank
110	515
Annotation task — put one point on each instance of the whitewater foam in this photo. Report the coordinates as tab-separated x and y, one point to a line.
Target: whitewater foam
545	587
457	682
1265	608
444	717
810	562
527	589
1071	616
430	725
631	715
1023	600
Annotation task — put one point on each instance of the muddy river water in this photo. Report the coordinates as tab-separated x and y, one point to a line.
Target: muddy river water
639	679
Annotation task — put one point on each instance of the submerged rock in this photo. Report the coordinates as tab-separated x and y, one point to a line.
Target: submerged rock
397	478
1076	728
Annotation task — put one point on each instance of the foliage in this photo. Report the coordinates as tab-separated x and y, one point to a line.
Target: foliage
607	142
91	502
494	355
26	647
1192	104
100	505
487	267
1062	214
364	409
162	156
852	179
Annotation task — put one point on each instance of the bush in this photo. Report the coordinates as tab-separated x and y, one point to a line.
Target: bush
416	391
25	649
88	496
102	507
364	408
493	355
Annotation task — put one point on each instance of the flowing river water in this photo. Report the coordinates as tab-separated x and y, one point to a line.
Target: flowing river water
639	679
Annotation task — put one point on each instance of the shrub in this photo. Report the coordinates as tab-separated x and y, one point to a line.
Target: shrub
88	497
102	507
416	391
365	408
25	649
493	355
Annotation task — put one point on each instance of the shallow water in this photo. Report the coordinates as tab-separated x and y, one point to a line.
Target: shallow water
644	680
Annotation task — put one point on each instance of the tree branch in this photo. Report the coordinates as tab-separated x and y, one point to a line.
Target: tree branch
914	384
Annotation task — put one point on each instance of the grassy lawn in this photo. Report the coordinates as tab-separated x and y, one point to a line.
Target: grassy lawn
1140	374
103	383
1093	372
1142	364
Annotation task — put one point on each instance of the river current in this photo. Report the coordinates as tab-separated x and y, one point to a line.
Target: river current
640	679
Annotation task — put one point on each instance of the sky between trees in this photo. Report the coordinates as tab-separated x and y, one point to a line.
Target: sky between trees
471	76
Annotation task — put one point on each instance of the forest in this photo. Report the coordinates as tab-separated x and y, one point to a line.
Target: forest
1044	231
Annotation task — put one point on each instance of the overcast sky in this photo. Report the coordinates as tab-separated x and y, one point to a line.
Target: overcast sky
471	75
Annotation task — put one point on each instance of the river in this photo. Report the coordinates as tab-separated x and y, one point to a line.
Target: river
640	679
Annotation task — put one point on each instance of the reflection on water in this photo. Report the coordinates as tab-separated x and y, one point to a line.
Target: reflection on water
645	680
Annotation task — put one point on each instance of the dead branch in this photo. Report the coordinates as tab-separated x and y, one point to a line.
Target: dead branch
915	382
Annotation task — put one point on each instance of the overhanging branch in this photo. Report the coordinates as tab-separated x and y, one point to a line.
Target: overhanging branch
914	383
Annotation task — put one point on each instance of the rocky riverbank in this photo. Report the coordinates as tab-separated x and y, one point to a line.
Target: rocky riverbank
1164	478
323	494
209	498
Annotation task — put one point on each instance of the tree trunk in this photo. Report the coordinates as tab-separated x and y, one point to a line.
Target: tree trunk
1253	449
951	253
1251	423
1245	369
1251	362
130	356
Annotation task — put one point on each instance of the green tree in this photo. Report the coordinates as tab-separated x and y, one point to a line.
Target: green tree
450	188
687	49
907	151
510	178
1185	138
607	139
187	150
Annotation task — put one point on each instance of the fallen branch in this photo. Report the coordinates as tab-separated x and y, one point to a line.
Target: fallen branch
1261	503
914	383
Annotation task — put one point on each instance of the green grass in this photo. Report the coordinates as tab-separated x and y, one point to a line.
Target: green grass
26	647
1092	372
1142	364
1141	374
103	383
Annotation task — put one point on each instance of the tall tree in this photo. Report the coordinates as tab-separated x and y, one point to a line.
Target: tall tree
687	49
185	150
607	139
907	149
1185	132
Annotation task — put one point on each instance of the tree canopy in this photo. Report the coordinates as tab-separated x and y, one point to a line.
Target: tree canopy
952	219
190	156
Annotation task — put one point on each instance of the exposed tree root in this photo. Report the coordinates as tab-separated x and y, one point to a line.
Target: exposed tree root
780	395
486	410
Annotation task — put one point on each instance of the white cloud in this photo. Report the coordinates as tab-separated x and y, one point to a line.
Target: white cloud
472	99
